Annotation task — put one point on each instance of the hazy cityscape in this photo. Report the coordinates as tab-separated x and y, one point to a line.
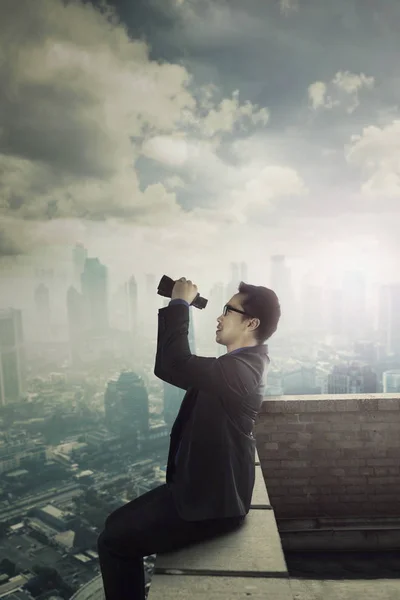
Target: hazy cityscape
85	423
132	146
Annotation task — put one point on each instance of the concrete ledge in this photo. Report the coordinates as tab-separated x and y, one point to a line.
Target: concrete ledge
359	403
230	588
242	563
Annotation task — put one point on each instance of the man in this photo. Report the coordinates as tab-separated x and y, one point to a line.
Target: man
210	472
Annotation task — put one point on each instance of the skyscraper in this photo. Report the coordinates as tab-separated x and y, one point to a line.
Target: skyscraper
77	321
244	272
389	318
281	284
132	303
12	356
94	281
126	404
42	305
354	304
79	255
391	381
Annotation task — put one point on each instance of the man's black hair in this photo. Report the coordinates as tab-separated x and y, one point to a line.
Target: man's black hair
261	303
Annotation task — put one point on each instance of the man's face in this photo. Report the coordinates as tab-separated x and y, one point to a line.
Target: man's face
232	327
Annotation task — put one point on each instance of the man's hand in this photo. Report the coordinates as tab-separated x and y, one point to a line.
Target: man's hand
184	290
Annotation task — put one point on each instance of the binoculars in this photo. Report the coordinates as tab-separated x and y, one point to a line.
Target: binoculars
165	288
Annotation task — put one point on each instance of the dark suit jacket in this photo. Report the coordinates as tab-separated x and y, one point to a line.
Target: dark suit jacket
214	473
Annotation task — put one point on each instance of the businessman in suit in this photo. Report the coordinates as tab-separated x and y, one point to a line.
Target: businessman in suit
211	460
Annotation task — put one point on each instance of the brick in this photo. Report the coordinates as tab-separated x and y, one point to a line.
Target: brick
304	436
297	446
338	472
389	498
333	436
351	444
389	404
314	428
290	499
351	462
290	427
382	462
305	473
367	404
347	426
270	446
355	489
383	471
394	423
294	464
294	482
388	480
322	445
282	437
378	426
393	453
306	418
293	454
346	405
358	480
325	418
270	464
326	480
359	471
372	452
370	417
281	419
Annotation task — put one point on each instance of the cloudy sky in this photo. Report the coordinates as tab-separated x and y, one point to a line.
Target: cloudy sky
195	132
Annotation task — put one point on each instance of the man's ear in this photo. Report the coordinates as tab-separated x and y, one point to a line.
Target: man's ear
255	322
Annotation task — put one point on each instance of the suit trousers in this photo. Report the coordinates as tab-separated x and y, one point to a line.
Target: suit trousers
150	524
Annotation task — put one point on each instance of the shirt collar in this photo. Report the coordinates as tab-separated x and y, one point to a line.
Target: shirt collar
245	348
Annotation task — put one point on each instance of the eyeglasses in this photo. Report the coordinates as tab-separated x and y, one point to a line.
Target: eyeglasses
228	307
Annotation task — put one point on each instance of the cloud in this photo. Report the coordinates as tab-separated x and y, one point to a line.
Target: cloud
376	153
170	150
263	188
76	92
289	6
343	90
81	102
174	182
229	112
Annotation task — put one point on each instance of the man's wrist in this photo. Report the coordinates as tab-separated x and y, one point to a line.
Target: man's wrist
179	301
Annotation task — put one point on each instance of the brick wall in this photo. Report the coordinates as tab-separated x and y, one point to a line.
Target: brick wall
331	455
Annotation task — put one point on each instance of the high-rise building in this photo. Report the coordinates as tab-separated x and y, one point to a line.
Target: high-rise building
132	303
354	304
77	321
313	313
12	356
94	281
352	379
244	272
235	278
334	303
389	318
43	314
79	255
391	381
127	405
281	283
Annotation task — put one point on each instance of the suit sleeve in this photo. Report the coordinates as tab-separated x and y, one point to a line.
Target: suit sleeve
175	379
227	375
